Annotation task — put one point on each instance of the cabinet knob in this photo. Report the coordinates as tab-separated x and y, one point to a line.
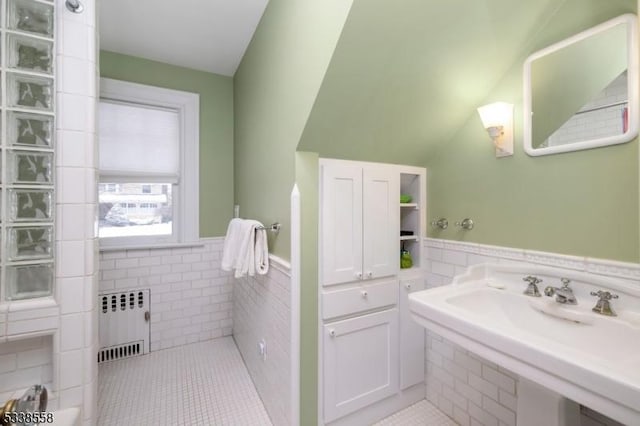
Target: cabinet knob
332	333
369	274
359	275
365	294
407	286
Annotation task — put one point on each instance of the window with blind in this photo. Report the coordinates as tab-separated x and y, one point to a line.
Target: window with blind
148	184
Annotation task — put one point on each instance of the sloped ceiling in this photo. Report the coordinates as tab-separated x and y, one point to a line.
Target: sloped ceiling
207	35
408	74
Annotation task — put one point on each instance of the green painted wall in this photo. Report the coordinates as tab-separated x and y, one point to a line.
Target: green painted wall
216	128
275	87
407	74
404	85
307	179
582	203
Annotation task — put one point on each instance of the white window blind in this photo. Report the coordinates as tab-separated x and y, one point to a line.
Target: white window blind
139	140
148	141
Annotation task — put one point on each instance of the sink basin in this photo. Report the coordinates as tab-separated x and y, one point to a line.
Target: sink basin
587	357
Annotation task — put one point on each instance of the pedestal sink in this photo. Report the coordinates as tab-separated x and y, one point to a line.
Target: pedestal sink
568	349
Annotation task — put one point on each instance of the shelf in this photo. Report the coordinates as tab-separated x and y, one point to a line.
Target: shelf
415	272
408	238
409	205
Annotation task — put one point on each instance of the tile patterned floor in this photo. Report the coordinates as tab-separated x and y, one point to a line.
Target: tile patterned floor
203	384
422	413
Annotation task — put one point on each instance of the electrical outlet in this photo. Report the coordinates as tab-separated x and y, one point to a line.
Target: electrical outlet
262	349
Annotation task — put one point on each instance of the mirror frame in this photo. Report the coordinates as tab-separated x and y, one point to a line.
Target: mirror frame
632	87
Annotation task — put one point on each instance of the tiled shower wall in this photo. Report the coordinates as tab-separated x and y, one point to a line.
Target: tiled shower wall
76	344
262	311
64	356
471	390
190	296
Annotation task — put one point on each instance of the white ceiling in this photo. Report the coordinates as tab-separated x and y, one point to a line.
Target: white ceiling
207	35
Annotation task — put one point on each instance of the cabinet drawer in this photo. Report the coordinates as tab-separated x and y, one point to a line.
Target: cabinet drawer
363	298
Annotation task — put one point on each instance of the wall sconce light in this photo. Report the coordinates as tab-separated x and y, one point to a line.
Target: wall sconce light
497	118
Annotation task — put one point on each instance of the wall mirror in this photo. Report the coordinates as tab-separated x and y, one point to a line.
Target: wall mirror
582	92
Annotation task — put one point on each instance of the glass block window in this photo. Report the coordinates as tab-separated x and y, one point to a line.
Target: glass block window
27	130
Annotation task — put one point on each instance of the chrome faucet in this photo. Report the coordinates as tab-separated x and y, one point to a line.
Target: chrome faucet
34	400
532	288
563	294
603	306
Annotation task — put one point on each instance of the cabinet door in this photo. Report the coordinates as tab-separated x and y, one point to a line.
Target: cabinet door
411	337
341	224
360	362
381	221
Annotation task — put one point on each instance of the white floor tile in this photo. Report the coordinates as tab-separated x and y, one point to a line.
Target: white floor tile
422	413
202	384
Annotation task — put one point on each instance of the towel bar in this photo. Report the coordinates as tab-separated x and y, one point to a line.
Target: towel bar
274	227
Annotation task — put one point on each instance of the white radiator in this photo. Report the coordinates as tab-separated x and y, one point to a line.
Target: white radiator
124	324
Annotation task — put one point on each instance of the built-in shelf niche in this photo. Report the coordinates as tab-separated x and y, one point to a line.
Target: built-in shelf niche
28	361
412	183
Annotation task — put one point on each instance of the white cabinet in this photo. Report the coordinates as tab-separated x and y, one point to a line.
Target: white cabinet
381	221
371	352
412	348
341	215
360	362
360	221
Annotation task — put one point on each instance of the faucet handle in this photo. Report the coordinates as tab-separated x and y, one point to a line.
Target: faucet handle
604	295
603	306
565	282
532	288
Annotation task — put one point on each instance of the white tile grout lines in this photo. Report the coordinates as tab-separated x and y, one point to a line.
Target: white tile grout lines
203	384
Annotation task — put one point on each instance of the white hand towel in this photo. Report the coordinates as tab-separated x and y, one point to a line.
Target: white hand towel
232	244
262	253
245	263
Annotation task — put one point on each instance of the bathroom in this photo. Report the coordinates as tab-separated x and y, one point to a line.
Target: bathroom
268	99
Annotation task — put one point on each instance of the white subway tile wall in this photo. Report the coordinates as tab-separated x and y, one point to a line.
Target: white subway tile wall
262	311
470	389
190	296
594	123
193	300
24	363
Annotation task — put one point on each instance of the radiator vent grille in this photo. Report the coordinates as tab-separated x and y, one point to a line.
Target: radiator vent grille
124	325
113	303
126	350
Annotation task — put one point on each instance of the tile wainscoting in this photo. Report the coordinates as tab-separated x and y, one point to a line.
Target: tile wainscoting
190	296
261	310
470	389
192	300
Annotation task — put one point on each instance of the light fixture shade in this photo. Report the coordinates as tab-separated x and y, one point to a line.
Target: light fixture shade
496	114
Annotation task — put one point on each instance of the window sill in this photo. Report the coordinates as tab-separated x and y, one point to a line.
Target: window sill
105	249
